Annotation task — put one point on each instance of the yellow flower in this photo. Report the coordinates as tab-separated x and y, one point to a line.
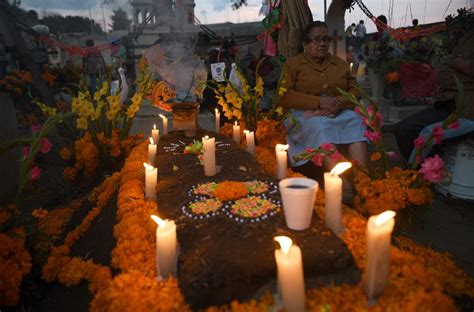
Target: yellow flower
279	111
259	87
111	114
237	114
282	91
97	95
113	100
137	98
82	123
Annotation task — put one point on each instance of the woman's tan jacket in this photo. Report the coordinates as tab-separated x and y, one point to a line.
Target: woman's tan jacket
306	81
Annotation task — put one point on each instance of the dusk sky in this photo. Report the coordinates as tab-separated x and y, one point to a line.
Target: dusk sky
218	11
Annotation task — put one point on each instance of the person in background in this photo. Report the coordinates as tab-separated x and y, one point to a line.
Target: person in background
415	24
93	65
360	33
350	35
460	64
323	115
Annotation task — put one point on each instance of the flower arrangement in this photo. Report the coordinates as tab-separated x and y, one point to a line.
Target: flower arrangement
238	99
380	186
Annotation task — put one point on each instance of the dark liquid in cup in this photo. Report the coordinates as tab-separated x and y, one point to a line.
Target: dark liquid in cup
297	186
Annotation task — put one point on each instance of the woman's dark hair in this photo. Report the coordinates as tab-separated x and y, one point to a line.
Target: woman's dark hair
305	38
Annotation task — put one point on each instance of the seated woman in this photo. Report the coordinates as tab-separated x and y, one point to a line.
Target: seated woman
323	115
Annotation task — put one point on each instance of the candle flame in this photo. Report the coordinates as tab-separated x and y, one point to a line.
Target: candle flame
148	166
382	218
217	111
162	116
154	126
282	147
285	243
152	142
235	123
206	137
340	168
158	220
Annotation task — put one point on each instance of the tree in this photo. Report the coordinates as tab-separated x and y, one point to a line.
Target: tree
59	24
120	20
236	4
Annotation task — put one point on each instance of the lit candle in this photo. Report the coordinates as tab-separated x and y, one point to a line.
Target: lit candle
236	133
250	139
209	146
379	232
290	275
333	196
155	134
151	177
166	248
282	160
165	124
218	120
350	67
151	152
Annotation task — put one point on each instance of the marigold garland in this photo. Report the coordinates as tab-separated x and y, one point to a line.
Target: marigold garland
71	271
15	262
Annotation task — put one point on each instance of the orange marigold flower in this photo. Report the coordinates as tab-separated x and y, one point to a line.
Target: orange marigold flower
230	190
70	173
65	153
39	213
375	156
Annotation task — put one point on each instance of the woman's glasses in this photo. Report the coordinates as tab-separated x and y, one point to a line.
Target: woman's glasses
318	40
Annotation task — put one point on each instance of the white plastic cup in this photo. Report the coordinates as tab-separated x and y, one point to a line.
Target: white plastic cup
298	196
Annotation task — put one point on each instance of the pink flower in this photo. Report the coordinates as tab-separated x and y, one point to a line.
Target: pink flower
335	157
437	134
419	141
364	121
432	169
309	150
25	151
392	155
454	125
327	147
36	128
35	173
370	111
45	145
357	110
373	136
318	159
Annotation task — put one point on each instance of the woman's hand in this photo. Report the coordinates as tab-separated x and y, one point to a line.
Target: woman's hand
318	112
329	103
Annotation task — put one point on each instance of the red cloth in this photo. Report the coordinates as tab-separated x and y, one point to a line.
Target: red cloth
417	80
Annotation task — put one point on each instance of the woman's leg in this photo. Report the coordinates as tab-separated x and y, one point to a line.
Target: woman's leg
358	152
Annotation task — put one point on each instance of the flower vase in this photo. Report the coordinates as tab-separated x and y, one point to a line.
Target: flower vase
394	92
377	84
185	117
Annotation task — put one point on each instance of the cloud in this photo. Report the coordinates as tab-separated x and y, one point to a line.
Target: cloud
60	4
219	6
